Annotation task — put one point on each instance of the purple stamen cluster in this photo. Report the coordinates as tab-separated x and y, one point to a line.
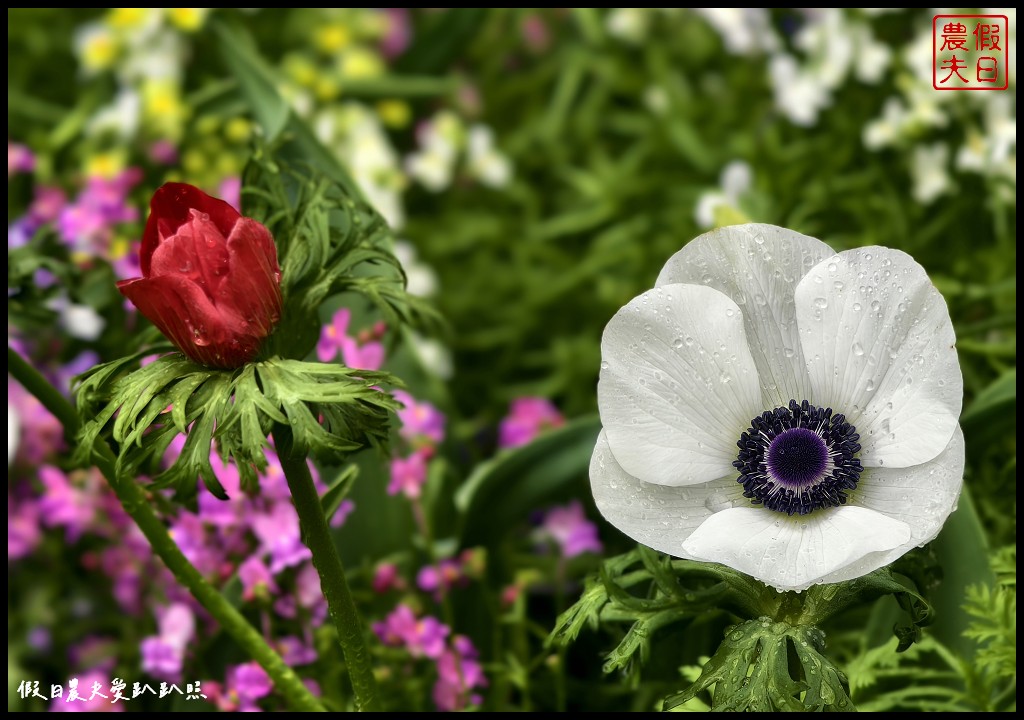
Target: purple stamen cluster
798	459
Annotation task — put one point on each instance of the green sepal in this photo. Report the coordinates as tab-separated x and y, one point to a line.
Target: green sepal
331	410
768	666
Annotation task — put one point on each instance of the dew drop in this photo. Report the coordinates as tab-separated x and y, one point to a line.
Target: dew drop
856	307
876	306
820	303
858	349
870	386
833	267
788	352
839	285
760	299
688	341
605	365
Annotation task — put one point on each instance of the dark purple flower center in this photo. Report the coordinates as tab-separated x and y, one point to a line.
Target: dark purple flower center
798	459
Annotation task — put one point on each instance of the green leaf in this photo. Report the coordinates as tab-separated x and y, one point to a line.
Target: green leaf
995	399
503	491
333	498
332	410
437	45
961	549
821	602
329	242
257	80
279	122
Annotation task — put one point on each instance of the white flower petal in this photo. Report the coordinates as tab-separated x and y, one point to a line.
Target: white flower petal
759	267
880	349
658	516
793	553
677	385
922	496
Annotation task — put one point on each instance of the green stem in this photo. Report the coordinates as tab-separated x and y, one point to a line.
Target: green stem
133	500
317	536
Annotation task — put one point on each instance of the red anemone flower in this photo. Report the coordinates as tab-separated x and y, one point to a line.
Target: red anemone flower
210	279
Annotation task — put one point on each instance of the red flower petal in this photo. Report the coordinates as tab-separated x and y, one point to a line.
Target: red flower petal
197	251
254	292
183	312
169	209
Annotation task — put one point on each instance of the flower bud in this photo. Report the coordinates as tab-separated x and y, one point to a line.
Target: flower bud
210	279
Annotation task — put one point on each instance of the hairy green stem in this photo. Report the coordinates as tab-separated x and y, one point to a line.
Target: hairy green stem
317	536
133	500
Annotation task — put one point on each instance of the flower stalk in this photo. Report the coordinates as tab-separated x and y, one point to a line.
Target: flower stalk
317	536
135	504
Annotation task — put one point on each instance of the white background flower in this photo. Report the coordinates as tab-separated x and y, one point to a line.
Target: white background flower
743	320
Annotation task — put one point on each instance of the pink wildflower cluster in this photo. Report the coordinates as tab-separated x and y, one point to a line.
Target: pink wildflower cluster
422	430
457	662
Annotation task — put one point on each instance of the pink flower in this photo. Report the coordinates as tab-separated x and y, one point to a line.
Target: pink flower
458	672
386	578
163	152
257	580
65	504
569	528
399	32
245	684
421	421
528	417
334	339
23	527
408	475
19	159
423	637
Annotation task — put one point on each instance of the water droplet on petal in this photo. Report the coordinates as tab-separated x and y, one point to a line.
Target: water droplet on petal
858	349
820	303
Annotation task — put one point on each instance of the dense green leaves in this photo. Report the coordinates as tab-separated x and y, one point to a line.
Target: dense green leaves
331	410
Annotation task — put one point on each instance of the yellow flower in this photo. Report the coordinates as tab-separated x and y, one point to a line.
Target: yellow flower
97	47
394	113
128	18
188	19
329	39
106	164
359	63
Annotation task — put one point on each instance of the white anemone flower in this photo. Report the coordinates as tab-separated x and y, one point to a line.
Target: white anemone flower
782	409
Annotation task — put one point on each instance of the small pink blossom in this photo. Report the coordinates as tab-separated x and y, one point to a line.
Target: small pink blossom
408	475
569	528
422	637
527	418
458	673
364	353
421	422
